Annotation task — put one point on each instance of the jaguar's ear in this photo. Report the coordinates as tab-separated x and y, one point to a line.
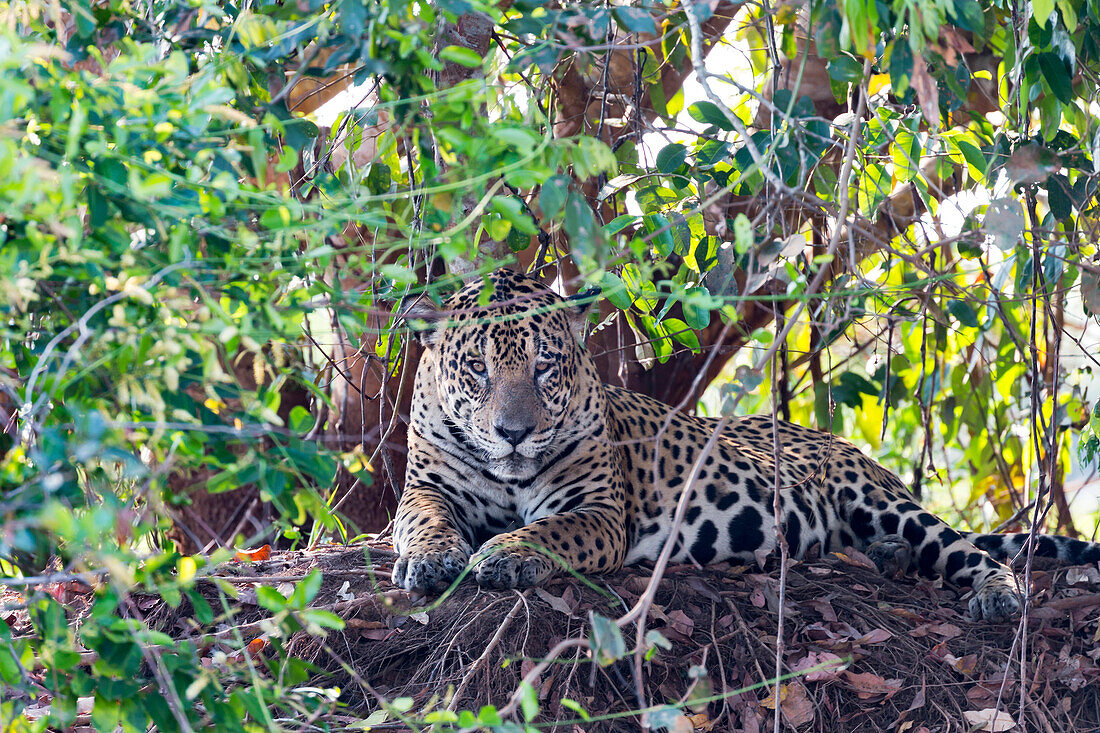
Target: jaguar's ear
577	309
423	318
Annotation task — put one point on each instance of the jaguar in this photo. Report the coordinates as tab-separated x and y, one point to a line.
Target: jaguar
521	460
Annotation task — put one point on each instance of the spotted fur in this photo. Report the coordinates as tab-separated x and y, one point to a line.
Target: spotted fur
516	445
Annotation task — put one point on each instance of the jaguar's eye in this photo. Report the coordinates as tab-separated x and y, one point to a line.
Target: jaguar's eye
477	366
543	366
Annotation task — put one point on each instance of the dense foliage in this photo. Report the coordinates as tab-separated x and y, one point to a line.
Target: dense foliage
178	242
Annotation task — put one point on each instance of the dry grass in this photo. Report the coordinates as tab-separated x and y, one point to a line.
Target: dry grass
913	659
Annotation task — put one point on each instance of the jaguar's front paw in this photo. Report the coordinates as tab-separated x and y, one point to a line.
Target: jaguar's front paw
995	602
892	555
429	571
513	569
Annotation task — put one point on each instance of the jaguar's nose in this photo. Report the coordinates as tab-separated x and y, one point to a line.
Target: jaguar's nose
514	435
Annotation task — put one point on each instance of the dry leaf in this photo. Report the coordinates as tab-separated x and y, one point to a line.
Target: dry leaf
702	588
928	94
256	646
555	602
681	622
829	664
822	607
983	693
908	615
258	555
945	631
967	665
1031	163
868	685
797	706
990	719
875	636
253	649
769	701
918	699
1086	574
701	722
855	558
362	623
955	40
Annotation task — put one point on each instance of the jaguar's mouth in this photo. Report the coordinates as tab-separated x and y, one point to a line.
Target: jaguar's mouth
515	465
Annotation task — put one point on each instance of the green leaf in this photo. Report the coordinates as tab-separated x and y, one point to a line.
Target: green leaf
528	700
585	235
1041	11
635	20
376	718
1090	294
511	208
963	313
671	157
973	155
306	589
441	716
619	223
204	614
575	707
681	333
521	139
1059	194
105	714
656	638
324	619
660	230
669	718
742	232
969	15
615	291
593	157
709	113
9	666
1004	221
270	599
846	69
711	152
696	315
874	186
461	55
606	641
379	178
488	715
300	419
1058	76
552	196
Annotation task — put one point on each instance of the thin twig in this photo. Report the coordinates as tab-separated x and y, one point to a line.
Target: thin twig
780	541
493	642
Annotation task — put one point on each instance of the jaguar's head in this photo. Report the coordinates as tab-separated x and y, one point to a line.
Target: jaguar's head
508	369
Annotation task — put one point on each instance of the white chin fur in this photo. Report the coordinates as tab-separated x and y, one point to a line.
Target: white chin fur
514	466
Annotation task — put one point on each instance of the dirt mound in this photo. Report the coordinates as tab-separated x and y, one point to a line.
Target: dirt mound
869	653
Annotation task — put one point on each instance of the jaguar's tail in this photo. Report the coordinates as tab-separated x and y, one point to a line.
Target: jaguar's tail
1006	547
